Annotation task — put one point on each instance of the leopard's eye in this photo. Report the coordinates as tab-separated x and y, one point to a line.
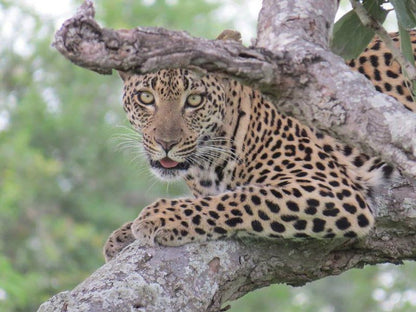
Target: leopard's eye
146	98
194	100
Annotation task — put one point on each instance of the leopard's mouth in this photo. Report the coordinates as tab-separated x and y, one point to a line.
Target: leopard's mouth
169	164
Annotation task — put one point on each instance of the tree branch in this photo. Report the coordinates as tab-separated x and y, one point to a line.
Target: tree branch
202	277
292	64
145	49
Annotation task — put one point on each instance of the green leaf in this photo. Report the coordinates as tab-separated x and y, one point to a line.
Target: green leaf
350	36
375	9
405	12
406	48
406	44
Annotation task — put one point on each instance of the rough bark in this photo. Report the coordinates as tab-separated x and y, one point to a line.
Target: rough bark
290	61
202	277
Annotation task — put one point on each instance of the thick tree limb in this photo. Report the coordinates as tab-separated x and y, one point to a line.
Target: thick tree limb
291	63
202	277
145	49
328	95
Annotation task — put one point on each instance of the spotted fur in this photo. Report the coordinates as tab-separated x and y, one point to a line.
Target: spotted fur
378	65
252	170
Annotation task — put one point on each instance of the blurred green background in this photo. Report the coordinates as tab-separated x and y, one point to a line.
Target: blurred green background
65	183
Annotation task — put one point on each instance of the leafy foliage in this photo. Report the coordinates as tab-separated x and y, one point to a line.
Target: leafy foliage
406	12
350	36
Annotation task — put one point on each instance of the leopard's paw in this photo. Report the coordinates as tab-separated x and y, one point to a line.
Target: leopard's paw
153	230
144	230
119	239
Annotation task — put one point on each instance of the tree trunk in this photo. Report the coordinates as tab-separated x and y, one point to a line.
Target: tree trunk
292	64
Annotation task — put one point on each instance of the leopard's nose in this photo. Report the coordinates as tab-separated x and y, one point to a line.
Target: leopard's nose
166	144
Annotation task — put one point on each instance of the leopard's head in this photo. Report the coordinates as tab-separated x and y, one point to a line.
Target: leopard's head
179	115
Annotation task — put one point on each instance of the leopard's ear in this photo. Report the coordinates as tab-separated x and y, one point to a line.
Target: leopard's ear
123	75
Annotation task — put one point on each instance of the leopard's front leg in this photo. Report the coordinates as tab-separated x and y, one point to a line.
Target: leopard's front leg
265	211
119	239
172	223
180	221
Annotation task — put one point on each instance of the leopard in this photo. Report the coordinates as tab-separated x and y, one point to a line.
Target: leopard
252	171
377	64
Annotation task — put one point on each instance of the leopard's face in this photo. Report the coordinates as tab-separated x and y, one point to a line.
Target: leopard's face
179	116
